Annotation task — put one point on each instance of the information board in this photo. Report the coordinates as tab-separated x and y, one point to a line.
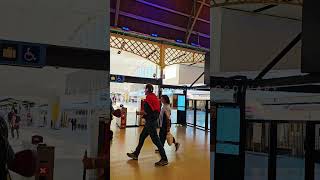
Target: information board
181	102
228	130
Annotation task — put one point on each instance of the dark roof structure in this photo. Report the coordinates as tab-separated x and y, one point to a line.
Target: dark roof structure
185	20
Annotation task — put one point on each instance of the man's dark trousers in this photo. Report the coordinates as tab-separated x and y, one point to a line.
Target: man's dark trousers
150	128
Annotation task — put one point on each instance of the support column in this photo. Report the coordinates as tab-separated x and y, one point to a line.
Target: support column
272	161
162	65
207	116
215	42
195	113
309	151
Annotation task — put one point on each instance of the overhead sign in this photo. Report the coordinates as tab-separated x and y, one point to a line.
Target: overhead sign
117	78
9	52
113	78
23	54
120	79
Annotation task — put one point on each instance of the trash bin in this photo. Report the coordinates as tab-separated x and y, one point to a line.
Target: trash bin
123	117
46	162
122	121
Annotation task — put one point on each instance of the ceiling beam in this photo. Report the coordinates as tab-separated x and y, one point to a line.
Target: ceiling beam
194	21
140	18
191	16
206	4
175	58
117	13
264	8
270	15
170	10
219	3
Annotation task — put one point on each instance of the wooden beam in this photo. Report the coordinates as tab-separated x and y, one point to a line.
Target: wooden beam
219	3
206	4
191	17
117	13
170	10
151	21
194	21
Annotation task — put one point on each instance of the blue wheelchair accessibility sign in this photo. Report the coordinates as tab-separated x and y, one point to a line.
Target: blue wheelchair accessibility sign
31	54
120	79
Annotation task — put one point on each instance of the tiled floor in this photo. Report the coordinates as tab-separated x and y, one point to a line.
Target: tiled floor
192	161
69	150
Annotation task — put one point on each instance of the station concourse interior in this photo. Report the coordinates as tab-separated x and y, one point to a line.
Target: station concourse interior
242	78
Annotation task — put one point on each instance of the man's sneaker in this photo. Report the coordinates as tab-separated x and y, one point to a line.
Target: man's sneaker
177	146
156	151
132	156
162	163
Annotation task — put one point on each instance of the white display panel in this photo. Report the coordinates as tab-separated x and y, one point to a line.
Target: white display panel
74	23
247	42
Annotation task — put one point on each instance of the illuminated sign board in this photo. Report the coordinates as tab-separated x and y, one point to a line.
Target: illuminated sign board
8	52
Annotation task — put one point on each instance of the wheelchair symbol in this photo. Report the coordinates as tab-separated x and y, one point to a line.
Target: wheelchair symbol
29	56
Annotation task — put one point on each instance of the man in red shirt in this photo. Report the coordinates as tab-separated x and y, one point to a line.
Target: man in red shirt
151	114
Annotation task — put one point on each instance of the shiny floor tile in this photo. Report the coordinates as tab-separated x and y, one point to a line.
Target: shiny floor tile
192	161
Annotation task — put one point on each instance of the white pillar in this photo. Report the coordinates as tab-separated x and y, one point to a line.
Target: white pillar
215	41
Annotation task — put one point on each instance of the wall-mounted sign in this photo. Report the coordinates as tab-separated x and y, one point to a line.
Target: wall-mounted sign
228	130
31	54
20	53
120	79
117	78
113	78
8	52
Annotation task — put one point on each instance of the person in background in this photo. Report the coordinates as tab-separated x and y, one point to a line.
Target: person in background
151	114
6	151
72	124
114	100
14	124
10	116
44	121
76	125
165	121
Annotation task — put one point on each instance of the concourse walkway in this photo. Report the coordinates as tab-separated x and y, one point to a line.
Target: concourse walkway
192	161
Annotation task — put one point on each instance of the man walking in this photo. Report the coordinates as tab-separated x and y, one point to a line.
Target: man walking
72	124
151	114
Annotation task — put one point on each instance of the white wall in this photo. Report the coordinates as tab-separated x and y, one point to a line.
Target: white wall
171	75
188	74
183	74
80	23
248	42
128	63
32	82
